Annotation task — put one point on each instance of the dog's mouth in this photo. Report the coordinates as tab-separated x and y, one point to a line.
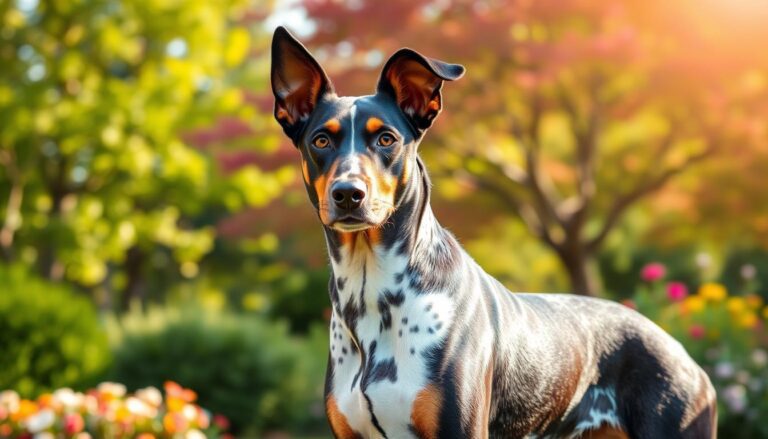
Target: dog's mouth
351	223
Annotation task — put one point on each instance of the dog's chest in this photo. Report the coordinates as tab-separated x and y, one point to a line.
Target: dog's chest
382	334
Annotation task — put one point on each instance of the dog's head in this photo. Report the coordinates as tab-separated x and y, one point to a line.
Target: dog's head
357	153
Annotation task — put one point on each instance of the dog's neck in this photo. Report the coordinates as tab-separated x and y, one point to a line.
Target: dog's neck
399	256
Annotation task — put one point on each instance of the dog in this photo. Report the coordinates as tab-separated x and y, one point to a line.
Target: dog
424	343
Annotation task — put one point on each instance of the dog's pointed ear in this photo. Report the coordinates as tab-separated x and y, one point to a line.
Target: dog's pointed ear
415	82
298	82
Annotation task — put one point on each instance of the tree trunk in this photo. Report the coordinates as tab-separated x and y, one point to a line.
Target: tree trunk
582	271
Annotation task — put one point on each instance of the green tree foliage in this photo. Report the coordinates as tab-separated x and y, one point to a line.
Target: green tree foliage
50	336
99	183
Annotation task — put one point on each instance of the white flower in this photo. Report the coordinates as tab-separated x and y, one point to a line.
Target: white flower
703	260
724	370
44	435
190	412
68	398
742	376
83	435
114	389
150	395
10	400
41	420
139	408
760	357
194	434
748	271
735	397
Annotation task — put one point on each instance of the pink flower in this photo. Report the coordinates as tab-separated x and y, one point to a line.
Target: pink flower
697	332
676	291
73	423
653	272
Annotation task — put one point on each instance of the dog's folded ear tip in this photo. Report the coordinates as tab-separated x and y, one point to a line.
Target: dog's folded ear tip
455	71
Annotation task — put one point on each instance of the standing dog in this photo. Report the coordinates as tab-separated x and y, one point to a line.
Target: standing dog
424	343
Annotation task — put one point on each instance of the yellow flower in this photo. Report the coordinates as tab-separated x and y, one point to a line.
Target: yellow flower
754	301
736	304
693	304
747	320
713	291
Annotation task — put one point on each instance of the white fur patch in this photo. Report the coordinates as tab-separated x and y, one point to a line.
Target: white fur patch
418	323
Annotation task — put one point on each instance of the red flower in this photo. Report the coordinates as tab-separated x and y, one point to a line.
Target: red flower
676	291
653	272
221	422
697	331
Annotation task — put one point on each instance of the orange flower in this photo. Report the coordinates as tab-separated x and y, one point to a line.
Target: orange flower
174	423
754	301
175	404
747	320
26	409
146	436
45	400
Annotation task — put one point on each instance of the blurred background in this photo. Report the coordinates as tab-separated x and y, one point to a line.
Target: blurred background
153	228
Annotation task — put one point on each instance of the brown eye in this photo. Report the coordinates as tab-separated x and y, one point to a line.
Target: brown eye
386	139
321	141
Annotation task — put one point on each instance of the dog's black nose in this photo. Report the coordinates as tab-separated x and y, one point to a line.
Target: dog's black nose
348	194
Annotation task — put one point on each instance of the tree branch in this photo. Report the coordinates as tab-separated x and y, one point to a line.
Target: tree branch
622	203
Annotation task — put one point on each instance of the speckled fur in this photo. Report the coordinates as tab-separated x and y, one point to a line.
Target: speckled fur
424	343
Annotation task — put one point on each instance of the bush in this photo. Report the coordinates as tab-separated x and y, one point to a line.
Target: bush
247	369
49	336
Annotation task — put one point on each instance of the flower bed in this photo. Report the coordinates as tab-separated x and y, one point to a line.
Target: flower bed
725	332
108	411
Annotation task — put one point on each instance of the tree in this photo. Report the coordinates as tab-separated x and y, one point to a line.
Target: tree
99	103
571	112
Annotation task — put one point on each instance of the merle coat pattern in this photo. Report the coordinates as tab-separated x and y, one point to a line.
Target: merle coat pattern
423	343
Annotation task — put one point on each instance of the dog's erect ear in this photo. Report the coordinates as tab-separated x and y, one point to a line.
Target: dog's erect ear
298	82
415	81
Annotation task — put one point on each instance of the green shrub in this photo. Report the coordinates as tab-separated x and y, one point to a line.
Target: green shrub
247	369
49	335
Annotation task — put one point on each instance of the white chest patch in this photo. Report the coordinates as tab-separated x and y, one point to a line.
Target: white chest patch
379	363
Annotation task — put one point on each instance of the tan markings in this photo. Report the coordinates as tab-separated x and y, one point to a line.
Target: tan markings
305	171
426	412
406	172
373	124
348	238
374	236
486	409
333	125
605	432
434	105
321	185
388	184
338	421
282	114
